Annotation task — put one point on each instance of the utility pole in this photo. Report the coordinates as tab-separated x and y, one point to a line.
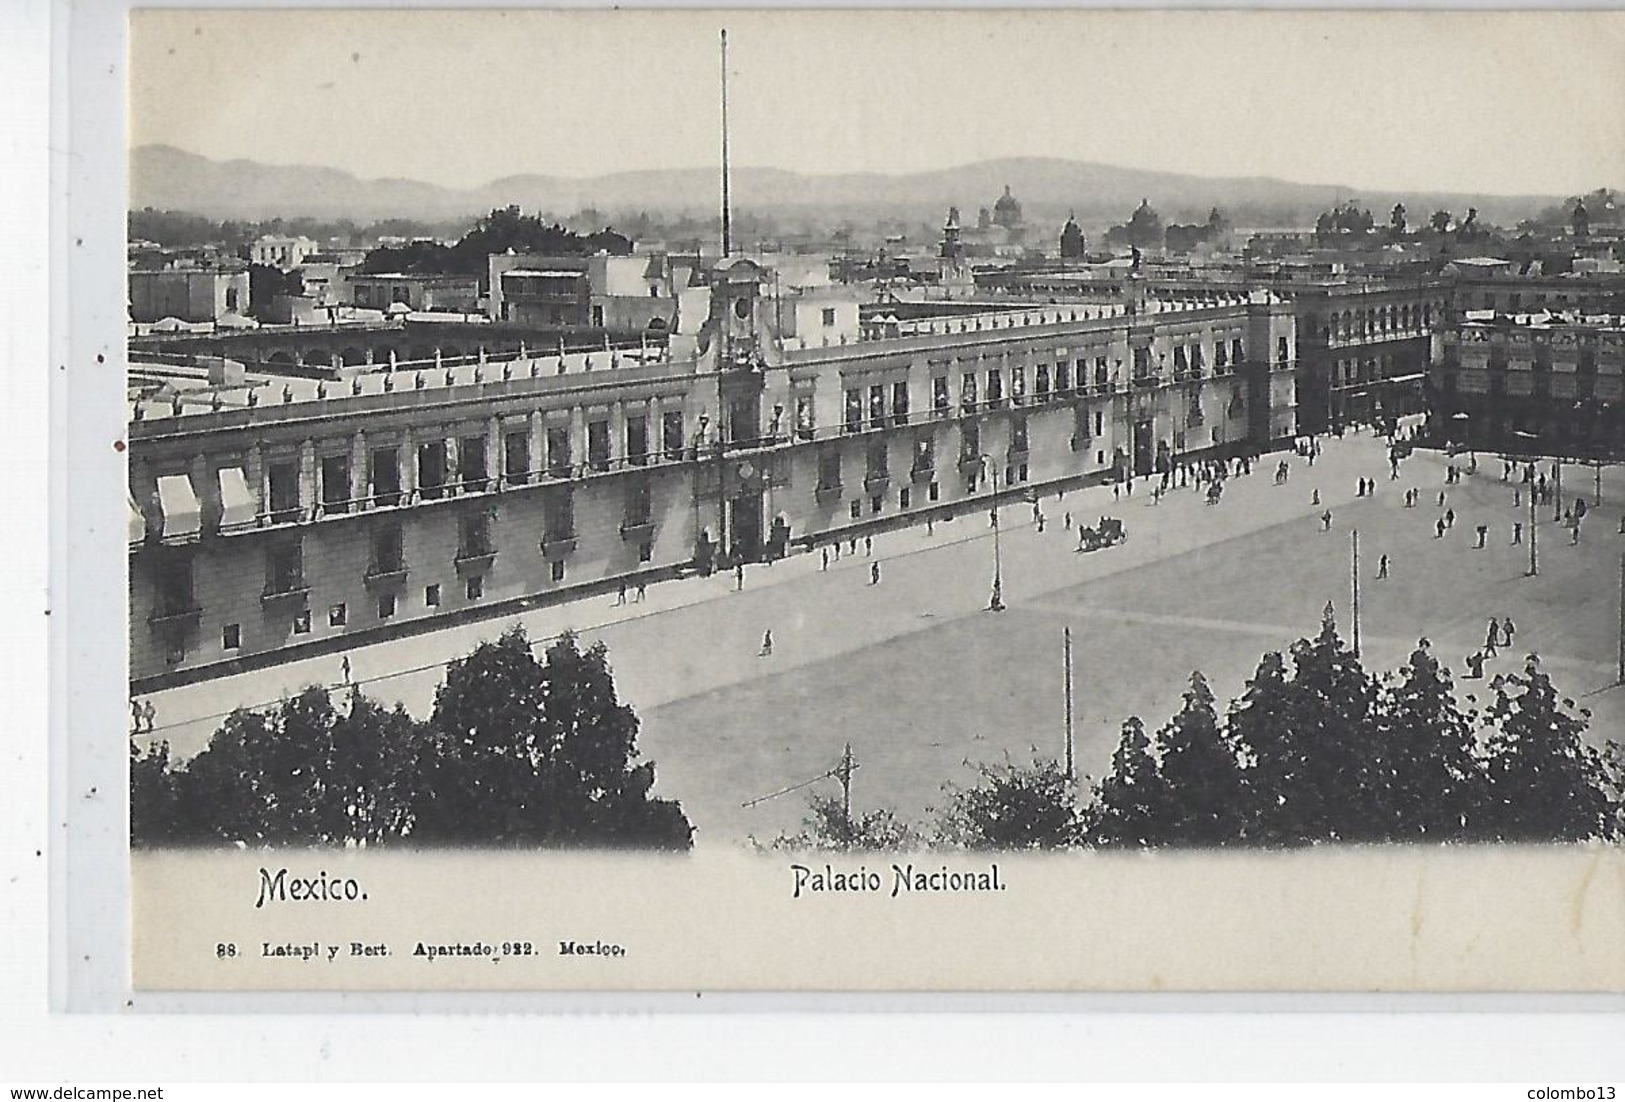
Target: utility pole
727	217
1622	619
1599	484
996	602
1355	535
1066	658
1557	489
846	793
1534	522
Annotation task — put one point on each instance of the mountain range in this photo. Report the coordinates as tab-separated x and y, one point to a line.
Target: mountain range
166	178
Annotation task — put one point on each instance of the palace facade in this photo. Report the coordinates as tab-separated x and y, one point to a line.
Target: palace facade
271	514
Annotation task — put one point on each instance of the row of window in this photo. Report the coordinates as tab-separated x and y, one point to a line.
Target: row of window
1347	324
459	464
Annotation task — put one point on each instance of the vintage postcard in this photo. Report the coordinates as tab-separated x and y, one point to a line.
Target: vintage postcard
916	501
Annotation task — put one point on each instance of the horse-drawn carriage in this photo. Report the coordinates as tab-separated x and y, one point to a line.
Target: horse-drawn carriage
1108	532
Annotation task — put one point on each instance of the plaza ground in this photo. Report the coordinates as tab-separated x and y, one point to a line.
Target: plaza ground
923	681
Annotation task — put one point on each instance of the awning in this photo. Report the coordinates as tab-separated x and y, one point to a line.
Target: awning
179	506
237	508
138	523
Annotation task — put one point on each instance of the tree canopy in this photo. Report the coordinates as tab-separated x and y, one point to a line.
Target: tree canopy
518	752
1316	749
503	229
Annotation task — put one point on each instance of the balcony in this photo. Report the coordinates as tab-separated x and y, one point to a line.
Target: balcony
385	579
637	531
822	494
555	548
474	561
970	465
293	594
171	619
877	482
920	475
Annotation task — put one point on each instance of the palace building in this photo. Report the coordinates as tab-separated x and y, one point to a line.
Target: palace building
274	514
1543	383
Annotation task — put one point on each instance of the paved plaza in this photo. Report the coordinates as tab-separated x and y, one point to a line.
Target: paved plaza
921	679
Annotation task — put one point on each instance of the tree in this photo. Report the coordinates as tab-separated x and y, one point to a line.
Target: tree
1310	746
1030	806
528	752
1431	778
265	283
828	827
301	773
1396	219
1439	221
1199	796
1545	784
152	796
1123	811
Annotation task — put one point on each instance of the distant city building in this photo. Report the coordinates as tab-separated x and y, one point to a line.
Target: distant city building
1534	383
1072	240
415	292
623	293
188	294
286	253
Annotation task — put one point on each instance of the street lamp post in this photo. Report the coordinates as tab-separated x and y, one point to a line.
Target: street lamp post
996	601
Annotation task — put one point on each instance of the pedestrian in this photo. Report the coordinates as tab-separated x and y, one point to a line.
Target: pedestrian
1116	490
739	576
643	591
1416	495
852	546
1360	490
874	573
1517	532
1382	567
1326	521
1492	637
1449	518
1506	470
1315	498
837	550
823	558
1574	534
1040	522
1483	534
767	644
136	715
1438	529
1517	497
930	526
1037	513
1475	665
149	711
1507	630
1441	499
868	545
620	593
344	668
1067	521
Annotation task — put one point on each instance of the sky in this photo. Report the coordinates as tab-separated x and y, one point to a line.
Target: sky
1491	102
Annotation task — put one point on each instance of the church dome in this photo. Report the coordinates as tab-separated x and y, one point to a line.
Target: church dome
1006	211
